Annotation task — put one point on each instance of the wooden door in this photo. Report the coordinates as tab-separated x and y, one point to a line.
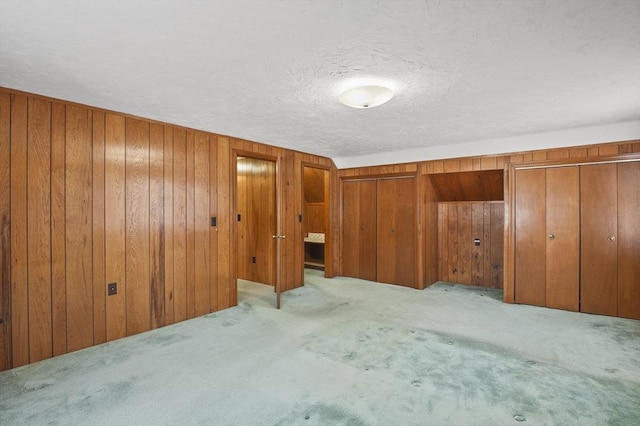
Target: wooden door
359	229
562	276
530	236
628	238
396	231
256	185
598	238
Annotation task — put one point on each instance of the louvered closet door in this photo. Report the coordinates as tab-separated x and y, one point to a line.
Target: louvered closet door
359	229
562	275
598	238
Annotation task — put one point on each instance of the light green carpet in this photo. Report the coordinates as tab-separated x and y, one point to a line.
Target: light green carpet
349	352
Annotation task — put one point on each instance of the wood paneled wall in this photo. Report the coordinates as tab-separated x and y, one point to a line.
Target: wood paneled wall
427	248
314	217
461	261
90	197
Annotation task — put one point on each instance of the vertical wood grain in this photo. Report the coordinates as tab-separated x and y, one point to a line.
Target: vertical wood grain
138	301
79	220
202	238
19	270
191	232
213	211
497	245
477	252
452	230
598	222
179	225
167	235
156	224
563	251
629	240
464	243
39	228
396	231
98	193
359	240
530	237
5	231
115	224
226	259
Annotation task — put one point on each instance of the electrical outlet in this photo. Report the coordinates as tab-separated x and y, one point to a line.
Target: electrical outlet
112	289
253	259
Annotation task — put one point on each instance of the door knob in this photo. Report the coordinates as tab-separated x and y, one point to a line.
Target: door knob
278	237
611	238
552	237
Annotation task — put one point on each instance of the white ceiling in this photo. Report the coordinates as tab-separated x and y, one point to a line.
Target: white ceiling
464	72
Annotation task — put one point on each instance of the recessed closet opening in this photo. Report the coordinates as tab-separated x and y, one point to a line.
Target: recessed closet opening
315	216
470	227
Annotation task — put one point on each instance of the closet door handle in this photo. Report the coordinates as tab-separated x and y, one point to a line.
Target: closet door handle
552	237
611	238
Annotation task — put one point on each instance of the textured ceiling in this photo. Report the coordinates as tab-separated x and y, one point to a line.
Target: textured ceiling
270	71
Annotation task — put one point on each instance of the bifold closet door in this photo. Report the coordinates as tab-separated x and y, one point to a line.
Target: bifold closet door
530	236
599	233
562	275
629	240
396	231
359	229
547	232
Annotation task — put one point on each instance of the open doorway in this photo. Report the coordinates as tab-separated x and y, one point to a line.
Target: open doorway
316	214
256	206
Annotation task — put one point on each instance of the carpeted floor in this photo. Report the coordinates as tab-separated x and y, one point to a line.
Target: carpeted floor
347	352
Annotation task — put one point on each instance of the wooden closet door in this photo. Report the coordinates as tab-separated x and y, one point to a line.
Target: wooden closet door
563	238
598	237
397	231
629	240
530	236
359	229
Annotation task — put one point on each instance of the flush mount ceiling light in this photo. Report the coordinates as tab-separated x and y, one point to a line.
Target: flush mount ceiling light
366	96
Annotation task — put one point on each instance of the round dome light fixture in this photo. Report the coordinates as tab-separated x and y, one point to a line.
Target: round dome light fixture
366	96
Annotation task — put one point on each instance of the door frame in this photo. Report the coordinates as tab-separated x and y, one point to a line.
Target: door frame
509	206
328	231
235	153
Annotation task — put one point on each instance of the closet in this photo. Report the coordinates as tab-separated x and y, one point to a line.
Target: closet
379	230
576	237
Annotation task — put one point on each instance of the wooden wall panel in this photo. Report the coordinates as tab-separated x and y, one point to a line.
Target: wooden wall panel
213	212
39	229
179	225
315	216
115	225
461	261
79	237
98	215
191	228
226	260
156	224
19	274
58	229
202	255
138	301
167	232
5	231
